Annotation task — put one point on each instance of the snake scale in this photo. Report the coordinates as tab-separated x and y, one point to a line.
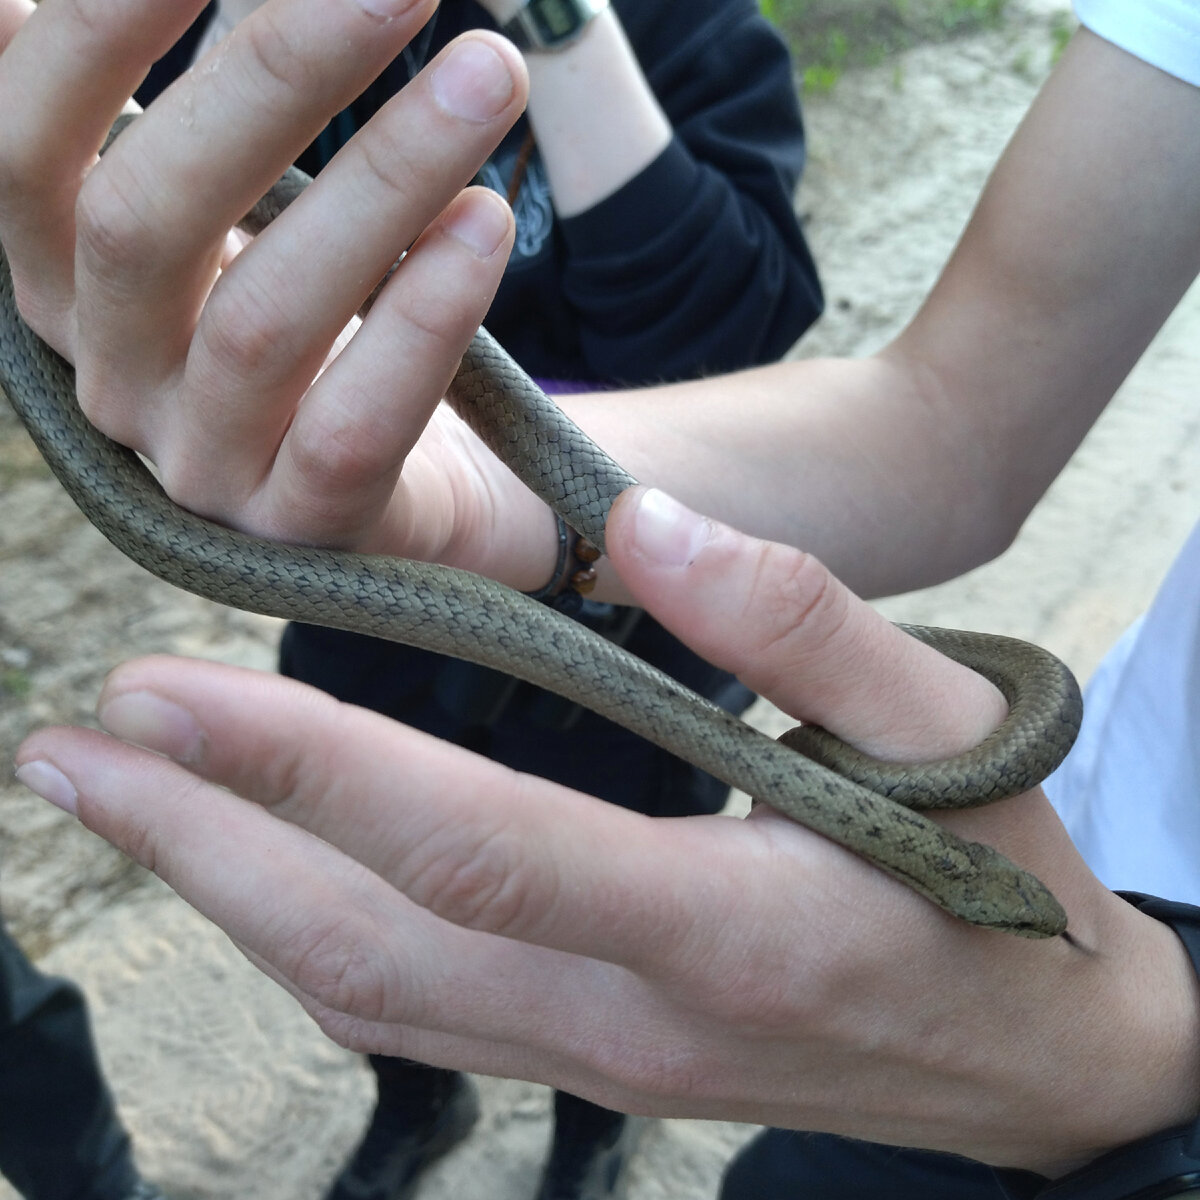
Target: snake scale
866	806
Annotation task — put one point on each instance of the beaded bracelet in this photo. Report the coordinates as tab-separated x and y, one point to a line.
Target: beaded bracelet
574	574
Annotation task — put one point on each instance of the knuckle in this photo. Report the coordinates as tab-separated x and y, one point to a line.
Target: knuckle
432	318
797	607
649	1074
391	166
332	453
724	976
94	17
113	237
242	331
768	1002
481	885
351	1033
337	968
275	62
139	837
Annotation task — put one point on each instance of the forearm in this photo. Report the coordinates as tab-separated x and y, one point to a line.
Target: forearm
923	461
595	117
867	464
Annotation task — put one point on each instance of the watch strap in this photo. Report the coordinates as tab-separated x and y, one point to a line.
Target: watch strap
1156	1168
550	24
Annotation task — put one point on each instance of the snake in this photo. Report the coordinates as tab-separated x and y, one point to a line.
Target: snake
874	809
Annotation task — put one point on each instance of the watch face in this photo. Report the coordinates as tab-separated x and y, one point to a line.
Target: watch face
553	19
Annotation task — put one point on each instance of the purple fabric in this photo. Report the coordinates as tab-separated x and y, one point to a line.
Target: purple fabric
568	387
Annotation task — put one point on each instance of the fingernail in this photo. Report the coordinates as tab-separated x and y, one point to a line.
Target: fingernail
480	222
389	10
666	531
146	719
50	783
472	82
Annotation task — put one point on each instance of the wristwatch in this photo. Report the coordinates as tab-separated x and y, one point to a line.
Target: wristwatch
1166	1165
540	25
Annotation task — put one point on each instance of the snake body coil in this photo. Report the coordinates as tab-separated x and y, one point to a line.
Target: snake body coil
861	804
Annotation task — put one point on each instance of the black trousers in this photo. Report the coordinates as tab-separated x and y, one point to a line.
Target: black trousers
60	1137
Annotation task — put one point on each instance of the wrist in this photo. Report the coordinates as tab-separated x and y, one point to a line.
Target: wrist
591	150
1146	1082
1162	1167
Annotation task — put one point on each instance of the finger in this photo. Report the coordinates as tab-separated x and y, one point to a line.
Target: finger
791	631
361	957
777	618
355	950
152	219
341	457
13	14
246	110
476	843
63	80
275	313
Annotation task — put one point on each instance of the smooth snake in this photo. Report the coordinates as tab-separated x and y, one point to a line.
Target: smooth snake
866	806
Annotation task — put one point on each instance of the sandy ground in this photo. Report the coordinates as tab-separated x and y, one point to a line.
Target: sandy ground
228	1088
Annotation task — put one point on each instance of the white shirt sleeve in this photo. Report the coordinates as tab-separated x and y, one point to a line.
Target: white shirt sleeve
1129	791
1164	33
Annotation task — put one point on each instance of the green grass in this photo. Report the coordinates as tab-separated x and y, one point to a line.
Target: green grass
15	683
828	36
1062	27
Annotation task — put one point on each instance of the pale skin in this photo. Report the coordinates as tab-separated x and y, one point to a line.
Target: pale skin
749	970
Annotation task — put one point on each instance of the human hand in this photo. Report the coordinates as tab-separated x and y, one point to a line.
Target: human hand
206	353
453	912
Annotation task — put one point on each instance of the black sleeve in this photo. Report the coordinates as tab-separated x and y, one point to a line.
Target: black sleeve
699	265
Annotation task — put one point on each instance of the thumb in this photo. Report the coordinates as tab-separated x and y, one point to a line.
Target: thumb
779	620
13	14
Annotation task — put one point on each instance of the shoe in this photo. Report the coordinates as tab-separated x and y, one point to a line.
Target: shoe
396	1148
587	1169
